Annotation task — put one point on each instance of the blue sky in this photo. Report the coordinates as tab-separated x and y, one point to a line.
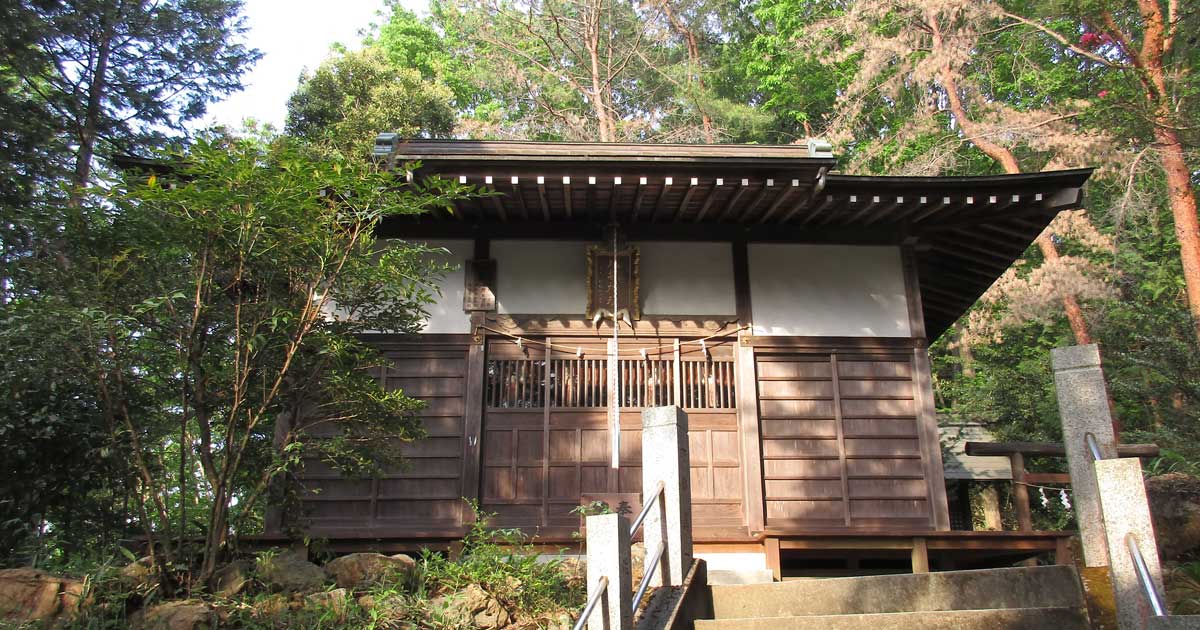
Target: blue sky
293	35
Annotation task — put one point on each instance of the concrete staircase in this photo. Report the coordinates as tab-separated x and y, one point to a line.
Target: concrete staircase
1033	598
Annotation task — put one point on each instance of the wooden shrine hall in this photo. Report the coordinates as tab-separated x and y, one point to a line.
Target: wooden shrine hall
785	307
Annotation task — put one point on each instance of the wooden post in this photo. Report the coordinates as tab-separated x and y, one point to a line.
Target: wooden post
774	558
920	556
1062	552
473	420
990	498
1021	493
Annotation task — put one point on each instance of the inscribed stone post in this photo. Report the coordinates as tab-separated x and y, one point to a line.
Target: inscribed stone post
1083	406
1127	512
665	458
608	556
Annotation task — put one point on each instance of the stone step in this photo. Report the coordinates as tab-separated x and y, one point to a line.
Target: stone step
740	576
1004	619
1022	587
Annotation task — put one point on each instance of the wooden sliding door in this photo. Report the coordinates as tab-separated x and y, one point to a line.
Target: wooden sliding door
841	441
546	441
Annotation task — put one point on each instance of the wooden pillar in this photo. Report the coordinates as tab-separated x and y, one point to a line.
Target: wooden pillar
774	558
989	499
1021	493
920	556
473	416
931	448
1062	552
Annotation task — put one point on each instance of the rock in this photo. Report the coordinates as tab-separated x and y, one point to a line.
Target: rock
230	579
637	560
180	615
362	569
1175	507
140	575
471	606
270	606
289	571
33	595
334	600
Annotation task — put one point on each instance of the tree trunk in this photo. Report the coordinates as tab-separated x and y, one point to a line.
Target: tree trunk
1183	210
1009	163
1070	305
91	117
694	69
1157	39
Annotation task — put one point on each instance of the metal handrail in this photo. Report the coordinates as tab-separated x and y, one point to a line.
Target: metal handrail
601	587
637	522
1093	446
1143	573
651	568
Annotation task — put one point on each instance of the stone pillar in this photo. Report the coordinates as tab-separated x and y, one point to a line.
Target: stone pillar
665	458
608	556
1126	511
1083	406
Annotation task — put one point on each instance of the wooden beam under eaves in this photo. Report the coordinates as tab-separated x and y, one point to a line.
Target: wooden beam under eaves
783	195
737	194
912	209
938	206
637	199
497	203
541	188
708	200
1031	211
591	196
867	208
520	196
567	195
662	195
762	194
887	210
614	190
990	262
817	209
687	197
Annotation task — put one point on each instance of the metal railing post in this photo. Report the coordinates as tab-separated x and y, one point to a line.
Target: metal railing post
608	557
665	458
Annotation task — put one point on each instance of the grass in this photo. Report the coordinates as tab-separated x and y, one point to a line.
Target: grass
503	562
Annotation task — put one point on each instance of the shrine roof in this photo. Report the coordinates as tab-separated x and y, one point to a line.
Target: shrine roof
966	231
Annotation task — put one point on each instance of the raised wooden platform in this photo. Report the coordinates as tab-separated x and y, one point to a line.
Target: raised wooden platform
924	549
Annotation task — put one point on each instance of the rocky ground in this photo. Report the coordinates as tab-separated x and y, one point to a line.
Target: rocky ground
285	590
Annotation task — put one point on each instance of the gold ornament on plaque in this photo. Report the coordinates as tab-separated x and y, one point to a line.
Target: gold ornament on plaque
600	275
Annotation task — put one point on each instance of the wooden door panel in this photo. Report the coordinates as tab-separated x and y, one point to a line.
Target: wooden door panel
840	442
425	494
569	441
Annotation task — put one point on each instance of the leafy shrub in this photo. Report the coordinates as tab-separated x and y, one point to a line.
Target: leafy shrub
506	565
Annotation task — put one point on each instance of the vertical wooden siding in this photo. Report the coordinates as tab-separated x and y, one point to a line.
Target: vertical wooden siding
540	461
423	497
840	442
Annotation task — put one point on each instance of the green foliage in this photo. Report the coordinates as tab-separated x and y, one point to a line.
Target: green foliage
121	75
355	95
506	565
192	312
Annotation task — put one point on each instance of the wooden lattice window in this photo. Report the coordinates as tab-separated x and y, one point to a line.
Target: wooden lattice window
583	383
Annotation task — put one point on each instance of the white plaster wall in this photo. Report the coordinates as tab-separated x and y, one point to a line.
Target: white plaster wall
827	290
679	278
540	277
446	314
